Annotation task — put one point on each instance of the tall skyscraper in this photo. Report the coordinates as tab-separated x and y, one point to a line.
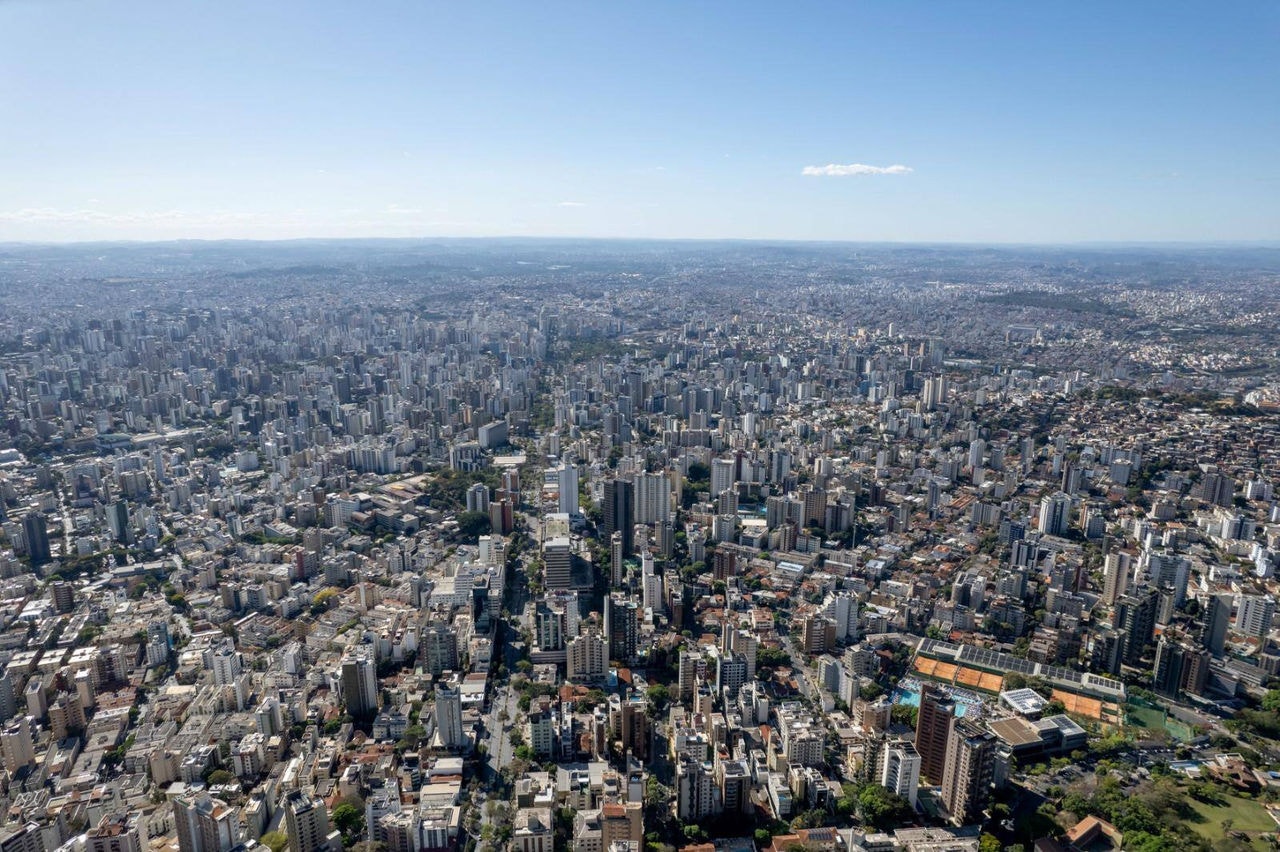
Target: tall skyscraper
557	563
36	535
118	522
619	512
1215	488
478	498
225	662
1055	513
620	626
814	511
306	822
17	747
934	392
587	657
64	596
652	493
1179	669
359	685
205	824
970	767
1255	615
1217	616
722	475
900	770
934	722
977	449
617	556
1135	617
567	487
449	717
1117	573
688	676
438	648
1170	571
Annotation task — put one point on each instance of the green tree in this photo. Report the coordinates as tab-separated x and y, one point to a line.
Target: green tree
659	696
904	714
274	840
413	735
348	819
989	843
772	657
220	776
847	804
694	833
871	691
882	808
472	525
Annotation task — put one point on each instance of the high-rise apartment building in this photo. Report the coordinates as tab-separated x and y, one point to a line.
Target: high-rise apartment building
306	822
17	746
449	717
969	770
619	512
587	657
1055	513
1180	669
359	685
934	721
36	535
205	824
722	475
617	558
1135	617
438	647
688	676
652	492
1255	615
113	833
900	770
1217	616
557	563
1117	574
814	508
621	626
64	596
567	489
225	662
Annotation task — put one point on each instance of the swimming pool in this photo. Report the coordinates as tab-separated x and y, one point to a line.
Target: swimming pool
908	693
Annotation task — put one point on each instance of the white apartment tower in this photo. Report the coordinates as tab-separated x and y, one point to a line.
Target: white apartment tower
900	770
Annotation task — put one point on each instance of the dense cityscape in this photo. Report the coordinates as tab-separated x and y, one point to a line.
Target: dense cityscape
553	546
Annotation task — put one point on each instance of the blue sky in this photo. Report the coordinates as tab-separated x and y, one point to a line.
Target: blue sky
1009	122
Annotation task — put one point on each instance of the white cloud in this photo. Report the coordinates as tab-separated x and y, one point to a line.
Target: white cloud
854	170
571	204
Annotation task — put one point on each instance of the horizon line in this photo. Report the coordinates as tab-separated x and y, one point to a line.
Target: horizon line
1153	243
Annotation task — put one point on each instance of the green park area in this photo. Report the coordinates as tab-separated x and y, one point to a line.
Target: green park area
1227	814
